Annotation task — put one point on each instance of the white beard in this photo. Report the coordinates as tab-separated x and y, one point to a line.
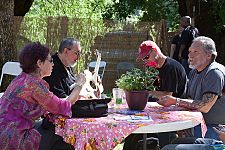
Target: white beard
191	67
73	65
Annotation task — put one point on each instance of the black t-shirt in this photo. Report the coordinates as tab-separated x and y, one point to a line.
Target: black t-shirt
176	41
187	36
172	77
61	78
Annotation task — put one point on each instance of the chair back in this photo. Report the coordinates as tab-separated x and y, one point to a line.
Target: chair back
123	67
91	67
10	68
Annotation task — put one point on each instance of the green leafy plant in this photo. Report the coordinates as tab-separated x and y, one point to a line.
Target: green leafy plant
137	80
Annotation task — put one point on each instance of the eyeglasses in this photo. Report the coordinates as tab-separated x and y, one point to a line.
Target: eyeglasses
50	60
147	56
78	53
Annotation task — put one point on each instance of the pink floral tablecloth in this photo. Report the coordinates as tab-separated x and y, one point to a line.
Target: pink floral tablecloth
106	132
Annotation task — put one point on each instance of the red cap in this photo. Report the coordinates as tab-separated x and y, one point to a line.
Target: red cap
145	48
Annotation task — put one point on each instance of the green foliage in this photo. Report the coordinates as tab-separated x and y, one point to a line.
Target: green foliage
34	28
146	10
137	80
218	11
48	30
155	10
72	8
44	23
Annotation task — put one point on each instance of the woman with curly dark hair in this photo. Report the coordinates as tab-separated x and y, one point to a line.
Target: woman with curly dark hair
28	97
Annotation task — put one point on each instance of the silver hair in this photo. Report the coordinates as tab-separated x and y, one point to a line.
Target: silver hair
186	19
208	45
67	43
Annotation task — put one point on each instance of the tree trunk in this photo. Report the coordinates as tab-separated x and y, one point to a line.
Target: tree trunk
9	30
7	46
6	29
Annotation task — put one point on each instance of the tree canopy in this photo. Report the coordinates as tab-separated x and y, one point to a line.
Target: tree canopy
71	8
171	10
145	10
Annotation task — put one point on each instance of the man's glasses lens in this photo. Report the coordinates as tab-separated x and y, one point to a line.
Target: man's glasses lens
146	57
78	53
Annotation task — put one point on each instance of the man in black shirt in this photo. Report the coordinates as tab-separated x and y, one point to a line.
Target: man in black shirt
172	81
172	76
187	36
62	76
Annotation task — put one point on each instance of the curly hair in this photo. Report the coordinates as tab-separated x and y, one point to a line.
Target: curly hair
30	54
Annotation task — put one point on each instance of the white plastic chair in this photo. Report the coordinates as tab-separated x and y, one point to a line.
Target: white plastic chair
91	67
10	68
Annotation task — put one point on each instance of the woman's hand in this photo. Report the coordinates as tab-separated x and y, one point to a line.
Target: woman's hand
167	100
74	96
81	79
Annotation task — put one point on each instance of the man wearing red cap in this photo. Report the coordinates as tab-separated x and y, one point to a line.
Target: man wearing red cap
172	81
172	76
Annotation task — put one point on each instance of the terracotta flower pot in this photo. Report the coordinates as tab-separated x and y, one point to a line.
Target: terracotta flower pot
136	100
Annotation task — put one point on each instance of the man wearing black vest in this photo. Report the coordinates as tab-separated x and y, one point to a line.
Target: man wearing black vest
189	33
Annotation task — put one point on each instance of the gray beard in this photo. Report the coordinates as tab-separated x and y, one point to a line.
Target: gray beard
192	67
73	65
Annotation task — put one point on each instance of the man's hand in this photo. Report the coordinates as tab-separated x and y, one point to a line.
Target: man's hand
167	100
220	132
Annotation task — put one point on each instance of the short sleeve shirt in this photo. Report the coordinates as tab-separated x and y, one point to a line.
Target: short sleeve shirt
172	77
210	80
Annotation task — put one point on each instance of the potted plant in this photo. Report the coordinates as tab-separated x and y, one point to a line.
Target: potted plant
136	84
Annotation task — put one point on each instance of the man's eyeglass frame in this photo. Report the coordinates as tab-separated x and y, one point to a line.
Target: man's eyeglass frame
78	53
147	56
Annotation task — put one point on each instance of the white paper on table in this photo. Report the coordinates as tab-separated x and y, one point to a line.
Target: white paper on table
133	118
121	118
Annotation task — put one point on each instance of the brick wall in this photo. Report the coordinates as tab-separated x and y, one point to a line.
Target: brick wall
117	47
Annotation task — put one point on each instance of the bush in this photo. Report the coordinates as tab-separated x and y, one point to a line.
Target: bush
138	80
